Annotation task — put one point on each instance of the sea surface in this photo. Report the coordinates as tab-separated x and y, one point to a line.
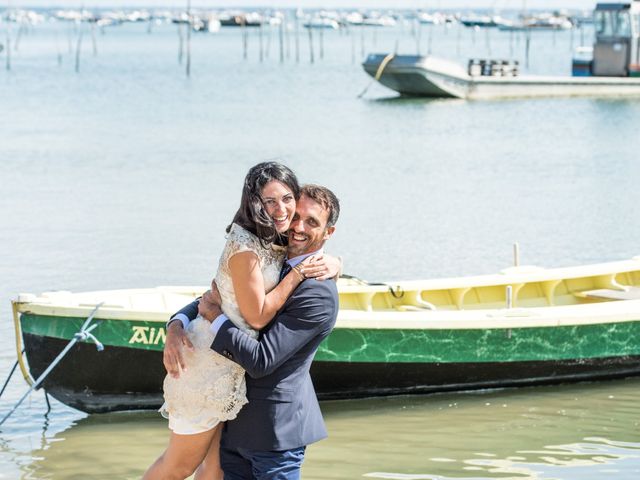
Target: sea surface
125	173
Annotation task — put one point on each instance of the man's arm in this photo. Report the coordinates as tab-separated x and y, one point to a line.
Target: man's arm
306	314
186	314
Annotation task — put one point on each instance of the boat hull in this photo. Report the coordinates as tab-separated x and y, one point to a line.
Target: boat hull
351	363
424	76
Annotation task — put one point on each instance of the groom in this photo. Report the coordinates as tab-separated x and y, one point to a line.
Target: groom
267	440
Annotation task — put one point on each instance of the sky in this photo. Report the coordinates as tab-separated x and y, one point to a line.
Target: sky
369	4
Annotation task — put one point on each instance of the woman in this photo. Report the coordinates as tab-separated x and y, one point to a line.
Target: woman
212	389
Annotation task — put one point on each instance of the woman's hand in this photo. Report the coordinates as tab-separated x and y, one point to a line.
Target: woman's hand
209	305
321	267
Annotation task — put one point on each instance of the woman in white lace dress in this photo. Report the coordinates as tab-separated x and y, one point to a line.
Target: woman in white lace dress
212	388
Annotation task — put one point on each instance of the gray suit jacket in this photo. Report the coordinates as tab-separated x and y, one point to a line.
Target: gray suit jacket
283	411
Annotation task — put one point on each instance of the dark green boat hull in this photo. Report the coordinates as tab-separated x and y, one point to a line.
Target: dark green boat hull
127	377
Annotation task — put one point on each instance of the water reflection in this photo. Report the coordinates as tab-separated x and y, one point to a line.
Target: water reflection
569	432
100	446
585	431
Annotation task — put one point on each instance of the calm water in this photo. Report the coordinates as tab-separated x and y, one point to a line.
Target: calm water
125	174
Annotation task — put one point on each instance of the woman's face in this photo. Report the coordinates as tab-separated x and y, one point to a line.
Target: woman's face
280	204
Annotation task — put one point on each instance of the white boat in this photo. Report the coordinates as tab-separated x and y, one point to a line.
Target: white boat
429	76
321	23
613	70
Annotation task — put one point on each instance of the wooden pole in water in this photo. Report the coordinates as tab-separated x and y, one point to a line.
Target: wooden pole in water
353	45
309	29
78	48
362	50
287	35
58	52
281	39
297	38
260	43
245	36
321	43
527	47
581	35
189	26
180	42
267	48
511	33
93	38
21	29
69	39
571	39
487	41
8	46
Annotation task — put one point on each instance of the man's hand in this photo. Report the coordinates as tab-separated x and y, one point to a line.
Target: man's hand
209	305
173	345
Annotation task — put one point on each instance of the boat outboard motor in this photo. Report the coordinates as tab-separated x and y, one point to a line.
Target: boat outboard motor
617	28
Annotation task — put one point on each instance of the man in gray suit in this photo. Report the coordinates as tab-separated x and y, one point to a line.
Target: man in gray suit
268	438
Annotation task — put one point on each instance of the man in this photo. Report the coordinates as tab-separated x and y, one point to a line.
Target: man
268	438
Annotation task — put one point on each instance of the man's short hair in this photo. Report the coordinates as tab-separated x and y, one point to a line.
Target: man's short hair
324	197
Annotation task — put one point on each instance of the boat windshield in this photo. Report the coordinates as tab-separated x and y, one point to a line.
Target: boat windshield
611	23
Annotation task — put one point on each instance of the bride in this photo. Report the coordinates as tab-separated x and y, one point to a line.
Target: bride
210	389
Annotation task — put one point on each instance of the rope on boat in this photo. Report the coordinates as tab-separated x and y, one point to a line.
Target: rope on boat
383	64
83	334
15	365
398	293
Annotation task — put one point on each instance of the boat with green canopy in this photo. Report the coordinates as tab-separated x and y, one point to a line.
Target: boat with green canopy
521	326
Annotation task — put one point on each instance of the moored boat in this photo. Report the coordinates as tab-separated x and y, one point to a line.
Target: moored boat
613	70
522	326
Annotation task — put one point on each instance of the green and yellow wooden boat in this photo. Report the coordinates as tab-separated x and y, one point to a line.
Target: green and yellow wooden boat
522	326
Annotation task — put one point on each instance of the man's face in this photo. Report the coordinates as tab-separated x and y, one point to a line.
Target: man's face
308	230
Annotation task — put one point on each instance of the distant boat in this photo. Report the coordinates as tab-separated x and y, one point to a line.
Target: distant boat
430	18
522	326
544	21
240	19
322	23
482	21
379	21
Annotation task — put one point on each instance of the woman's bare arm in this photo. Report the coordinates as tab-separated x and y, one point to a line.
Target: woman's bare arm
257	307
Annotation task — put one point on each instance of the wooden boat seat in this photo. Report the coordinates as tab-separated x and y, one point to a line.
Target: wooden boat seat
631	293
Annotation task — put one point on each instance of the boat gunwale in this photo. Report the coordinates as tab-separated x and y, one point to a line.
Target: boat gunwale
621	311
58	304
546	80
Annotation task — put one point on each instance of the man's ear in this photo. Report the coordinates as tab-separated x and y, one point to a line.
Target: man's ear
329	231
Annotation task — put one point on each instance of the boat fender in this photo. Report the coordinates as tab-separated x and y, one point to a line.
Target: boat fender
383	64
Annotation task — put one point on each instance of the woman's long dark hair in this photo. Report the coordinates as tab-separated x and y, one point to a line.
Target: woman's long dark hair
252	215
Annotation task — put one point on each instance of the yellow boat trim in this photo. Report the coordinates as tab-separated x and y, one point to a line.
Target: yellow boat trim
18	330
608	292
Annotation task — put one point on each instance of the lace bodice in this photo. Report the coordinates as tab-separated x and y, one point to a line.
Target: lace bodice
270	257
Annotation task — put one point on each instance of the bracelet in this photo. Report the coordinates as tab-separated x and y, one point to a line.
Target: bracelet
298	270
